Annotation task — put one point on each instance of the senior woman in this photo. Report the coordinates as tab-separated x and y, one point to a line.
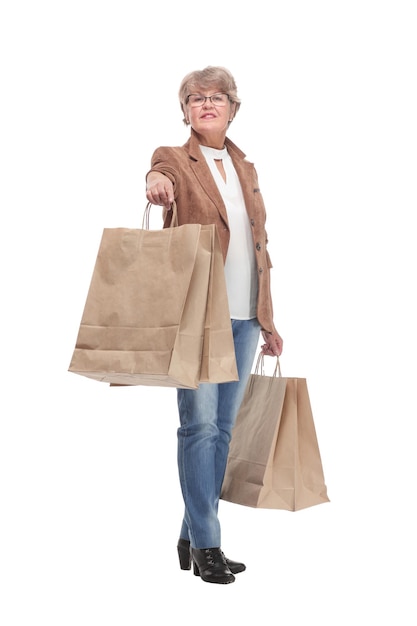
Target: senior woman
212	183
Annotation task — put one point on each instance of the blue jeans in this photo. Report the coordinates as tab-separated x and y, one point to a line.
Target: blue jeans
207	416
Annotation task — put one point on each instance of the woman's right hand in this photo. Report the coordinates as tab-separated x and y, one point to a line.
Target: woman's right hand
159	190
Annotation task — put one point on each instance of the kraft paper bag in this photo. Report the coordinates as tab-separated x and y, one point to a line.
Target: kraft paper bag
146	319
218	358
274	459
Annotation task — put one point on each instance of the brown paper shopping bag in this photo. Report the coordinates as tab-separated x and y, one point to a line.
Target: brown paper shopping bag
145	317
274	460
218	358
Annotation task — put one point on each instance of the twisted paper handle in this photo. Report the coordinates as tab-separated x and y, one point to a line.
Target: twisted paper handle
147	212
260	366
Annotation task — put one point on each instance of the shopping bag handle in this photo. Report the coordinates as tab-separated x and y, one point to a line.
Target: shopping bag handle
147	212
260	366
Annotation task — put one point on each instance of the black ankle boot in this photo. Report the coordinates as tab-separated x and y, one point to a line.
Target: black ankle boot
184	555
210	564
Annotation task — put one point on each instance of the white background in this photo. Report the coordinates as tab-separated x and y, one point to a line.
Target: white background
90	505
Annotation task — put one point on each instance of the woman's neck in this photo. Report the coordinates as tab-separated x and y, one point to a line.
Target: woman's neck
212	140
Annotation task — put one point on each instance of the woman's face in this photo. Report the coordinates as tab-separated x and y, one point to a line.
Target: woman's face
209	117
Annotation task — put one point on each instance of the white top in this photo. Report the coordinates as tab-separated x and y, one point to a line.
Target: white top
240	266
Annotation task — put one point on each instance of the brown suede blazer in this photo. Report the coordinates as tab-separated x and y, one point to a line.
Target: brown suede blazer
199	202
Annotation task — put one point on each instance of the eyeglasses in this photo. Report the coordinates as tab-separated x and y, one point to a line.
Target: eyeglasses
217	99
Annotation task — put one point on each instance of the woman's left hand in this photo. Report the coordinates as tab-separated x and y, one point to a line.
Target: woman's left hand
273	343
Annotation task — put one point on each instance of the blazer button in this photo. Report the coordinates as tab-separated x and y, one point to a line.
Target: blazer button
258	246
252	221
261	269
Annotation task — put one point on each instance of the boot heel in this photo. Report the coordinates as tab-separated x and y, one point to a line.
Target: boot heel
184	555
195	568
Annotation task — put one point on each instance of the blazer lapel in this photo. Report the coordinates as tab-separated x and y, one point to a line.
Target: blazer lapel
204	176
244	170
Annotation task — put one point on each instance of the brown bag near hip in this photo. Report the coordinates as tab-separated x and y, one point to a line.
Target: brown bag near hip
156	311
274	460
